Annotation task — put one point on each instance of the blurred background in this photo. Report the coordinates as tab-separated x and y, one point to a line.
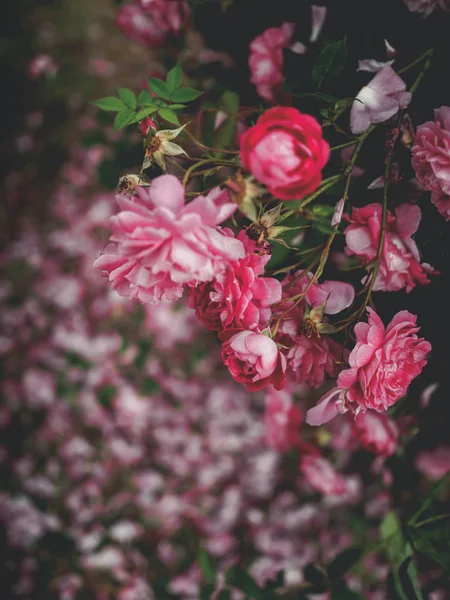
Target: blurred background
125	449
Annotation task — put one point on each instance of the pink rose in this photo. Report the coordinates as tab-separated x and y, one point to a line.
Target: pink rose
282	420
253	359
151	21
379	100
310	357
285	151
400	265
238	298
322	476
384	361
310	360
434	464
266	59
431	159
376	432
160	243
426	7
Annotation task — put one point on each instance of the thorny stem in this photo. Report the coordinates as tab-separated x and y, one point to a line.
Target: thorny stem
326	251
206	161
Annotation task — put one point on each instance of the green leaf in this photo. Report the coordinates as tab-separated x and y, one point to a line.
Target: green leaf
146	98
207	566
392	537
123	118
224	136
110	103
431	540
409	579
144	113
230	102
176	106
237	577
186	94
129	97
343	562
159	87
169	115
224	595
330	61
173	78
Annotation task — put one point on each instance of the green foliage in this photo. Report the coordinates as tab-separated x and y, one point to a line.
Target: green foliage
207	566
169	99
403	572
330	61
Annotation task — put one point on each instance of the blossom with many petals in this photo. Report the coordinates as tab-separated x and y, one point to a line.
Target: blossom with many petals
160	243
149	22
400	265
285	151
383	362
238	297
376	432
431	159
253	359
266	59
379	100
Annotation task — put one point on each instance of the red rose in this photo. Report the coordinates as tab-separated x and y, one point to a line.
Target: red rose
285	151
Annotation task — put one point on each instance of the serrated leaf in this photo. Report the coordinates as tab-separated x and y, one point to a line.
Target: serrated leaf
173	78
186	94
330	61
230	102
343	561
169	115
159	87
207	566
143	114
145	98
129	97
237	577
110	103
123	118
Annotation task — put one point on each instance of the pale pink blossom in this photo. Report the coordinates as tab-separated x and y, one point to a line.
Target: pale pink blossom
383	362
379	100
253	359
238	297
310	360
149	22
435	463
426	7
431	159
322	476
318	16
43	64
400	265
282	420
160	243
376	432
266	59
